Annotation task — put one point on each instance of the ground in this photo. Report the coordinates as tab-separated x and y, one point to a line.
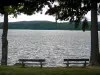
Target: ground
49	71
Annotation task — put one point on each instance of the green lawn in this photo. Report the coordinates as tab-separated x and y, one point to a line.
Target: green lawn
48	71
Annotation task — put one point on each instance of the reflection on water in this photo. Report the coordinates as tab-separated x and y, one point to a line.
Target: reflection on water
52	45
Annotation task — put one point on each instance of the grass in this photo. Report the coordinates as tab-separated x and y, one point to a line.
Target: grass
48	71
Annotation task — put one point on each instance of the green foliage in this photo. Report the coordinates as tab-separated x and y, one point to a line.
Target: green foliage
69	9
28	7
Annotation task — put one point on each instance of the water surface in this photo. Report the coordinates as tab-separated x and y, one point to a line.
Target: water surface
52	45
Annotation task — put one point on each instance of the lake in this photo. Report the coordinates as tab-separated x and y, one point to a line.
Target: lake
52	45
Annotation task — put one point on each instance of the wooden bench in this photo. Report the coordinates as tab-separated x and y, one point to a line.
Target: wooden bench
78	61
24	61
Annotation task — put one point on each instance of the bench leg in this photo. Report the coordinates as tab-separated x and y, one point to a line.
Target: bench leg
67	64
85	64
41	65
23	64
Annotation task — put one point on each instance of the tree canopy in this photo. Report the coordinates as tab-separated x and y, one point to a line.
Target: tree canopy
73	10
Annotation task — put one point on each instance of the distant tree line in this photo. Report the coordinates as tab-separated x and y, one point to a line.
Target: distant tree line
45	25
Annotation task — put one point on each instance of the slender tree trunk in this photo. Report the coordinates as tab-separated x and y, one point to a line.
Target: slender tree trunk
4	40
94	58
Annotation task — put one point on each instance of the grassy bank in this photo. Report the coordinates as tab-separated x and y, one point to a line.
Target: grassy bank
48	71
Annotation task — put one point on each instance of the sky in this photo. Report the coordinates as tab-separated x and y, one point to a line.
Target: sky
38	17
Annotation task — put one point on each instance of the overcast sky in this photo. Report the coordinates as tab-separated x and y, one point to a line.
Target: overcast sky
39	17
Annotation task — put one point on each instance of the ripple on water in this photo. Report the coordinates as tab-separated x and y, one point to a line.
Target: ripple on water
53	45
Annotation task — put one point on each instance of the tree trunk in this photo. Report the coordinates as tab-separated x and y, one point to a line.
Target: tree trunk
94	57
4	40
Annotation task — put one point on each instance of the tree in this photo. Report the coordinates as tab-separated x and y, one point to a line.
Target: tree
6	10
75	10
4	40
94	59
28	7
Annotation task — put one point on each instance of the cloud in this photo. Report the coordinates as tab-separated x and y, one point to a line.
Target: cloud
88	15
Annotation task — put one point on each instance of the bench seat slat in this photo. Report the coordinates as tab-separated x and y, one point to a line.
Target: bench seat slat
75	63
36	60
30	63
76	59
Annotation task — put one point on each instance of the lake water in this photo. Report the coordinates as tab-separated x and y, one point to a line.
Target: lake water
52	45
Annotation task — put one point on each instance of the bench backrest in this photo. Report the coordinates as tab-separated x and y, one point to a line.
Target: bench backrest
76	59
35	60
